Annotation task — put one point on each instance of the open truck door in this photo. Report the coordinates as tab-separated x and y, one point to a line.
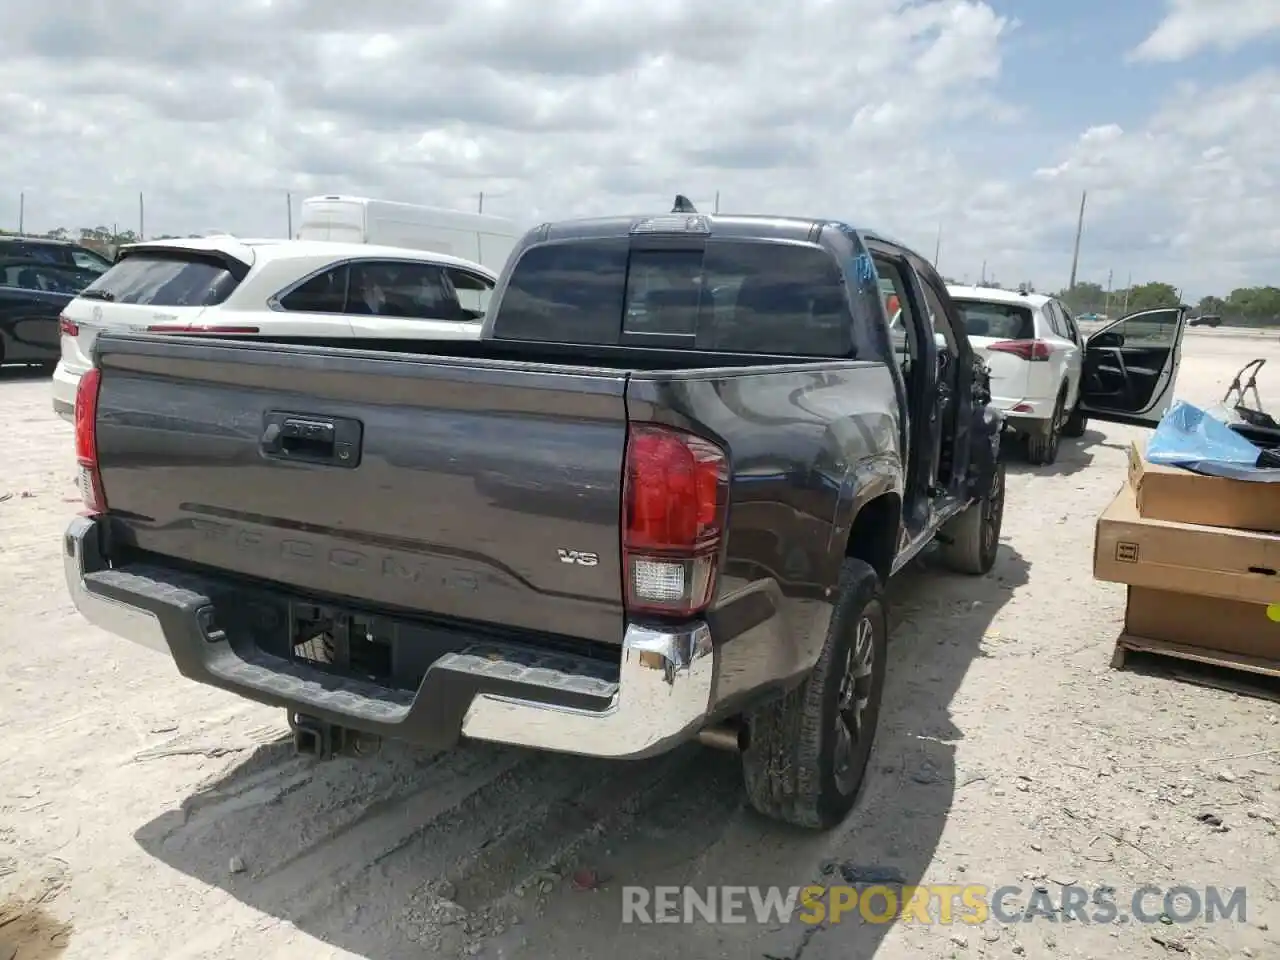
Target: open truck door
1131	367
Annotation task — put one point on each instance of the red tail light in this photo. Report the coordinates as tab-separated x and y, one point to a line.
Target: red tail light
67	327
194	328
86	417
1026	349
675	501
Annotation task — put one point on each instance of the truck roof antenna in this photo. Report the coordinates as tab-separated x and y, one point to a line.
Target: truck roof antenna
683	205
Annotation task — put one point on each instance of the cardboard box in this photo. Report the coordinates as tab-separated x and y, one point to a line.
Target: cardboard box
1205	623
1172	493
1187	558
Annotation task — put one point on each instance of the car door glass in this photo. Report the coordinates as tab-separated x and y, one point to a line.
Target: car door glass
30	276
393	288
938	316
1068	324
1155	330
897	308
86	261
60	281
1072	330
473	291
324	293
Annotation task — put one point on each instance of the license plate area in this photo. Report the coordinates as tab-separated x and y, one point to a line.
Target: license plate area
342	641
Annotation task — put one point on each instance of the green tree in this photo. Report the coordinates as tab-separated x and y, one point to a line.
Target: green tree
1150	296
1085	298
1211	305
1255	304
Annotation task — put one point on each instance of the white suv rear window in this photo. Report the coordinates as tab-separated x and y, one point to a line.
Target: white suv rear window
1004	321
163	279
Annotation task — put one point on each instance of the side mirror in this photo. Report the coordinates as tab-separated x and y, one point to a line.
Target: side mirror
1110	339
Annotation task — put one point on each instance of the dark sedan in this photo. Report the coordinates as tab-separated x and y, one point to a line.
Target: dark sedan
32	296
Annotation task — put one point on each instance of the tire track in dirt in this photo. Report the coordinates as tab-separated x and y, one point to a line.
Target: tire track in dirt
314	819
479	805
531	834
383	826
419	847
505	853
315	828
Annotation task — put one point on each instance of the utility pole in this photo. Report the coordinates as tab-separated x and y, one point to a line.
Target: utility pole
142	218
983	281
937	247
288	212
717	207
481	209
1075	257
22	211
1106	308
1127	289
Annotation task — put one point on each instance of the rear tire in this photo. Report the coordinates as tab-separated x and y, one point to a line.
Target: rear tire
971	541
807	753
1076	424
1043	444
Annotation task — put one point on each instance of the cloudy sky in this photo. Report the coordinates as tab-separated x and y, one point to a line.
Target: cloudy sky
984	118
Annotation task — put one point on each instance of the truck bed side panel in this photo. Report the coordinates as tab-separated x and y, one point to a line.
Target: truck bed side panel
808	446
472	476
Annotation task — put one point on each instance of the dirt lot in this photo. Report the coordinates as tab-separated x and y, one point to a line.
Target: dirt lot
142	816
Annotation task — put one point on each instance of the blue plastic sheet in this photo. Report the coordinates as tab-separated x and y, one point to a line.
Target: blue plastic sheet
1189	437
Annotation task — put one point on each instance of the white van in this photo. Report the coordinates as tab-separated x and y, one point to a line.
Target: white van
471	236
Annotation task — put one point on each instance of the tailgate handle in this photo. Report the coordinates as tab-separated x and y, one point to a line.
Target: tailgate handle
311	439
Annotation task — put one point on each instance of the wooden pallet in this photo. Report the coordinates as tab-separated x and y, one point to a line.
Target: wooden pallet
1235	672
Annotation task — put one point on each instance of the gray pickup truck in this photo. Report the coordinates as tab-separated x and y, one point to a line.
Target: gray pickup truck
657	501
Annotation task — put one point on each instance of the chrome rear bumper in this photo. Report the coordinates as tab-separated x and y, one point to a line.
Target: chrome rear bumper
662	696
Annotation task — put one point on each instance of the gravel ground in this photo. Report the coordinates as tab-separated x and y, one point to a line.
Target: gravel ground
144	816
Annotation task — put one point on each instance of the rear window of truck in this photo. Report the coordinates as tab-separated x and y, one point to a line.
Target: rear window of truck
1004	321
164	279
733	296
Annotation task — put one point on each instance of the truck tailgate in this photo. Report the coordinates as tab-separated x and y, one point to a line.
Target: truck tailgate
473	489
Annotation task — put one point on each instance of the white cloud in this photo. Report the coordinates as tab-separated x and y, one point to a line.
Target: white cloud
882	112
558	108
1195	193
1191	26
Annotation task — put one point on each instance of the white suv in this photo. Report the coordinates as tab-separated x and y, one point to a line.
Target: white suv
1035	354
271	289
